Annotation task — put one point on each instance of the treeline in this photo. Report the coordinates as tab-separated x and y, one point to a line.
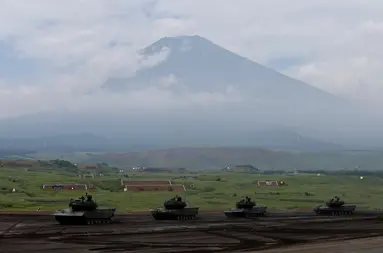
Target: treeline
327	172
344	172
13	152
63	163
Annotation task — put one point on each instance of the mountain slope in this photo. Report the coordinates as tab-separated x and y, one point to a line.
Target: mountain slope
203	78
89	142
217	158
198	64
56	143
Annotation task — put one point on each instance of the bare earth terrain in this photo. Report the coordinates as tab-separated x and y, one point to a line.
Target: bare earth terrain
279	232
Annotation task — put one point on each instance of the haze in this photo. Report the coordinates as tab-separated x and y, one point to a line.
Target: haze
91	66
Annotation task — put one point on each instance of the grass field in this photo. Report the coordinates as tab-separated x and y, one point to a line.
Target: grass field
208	192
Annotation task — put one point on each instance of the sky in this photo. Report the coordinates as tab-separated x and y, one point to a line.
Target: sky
57	54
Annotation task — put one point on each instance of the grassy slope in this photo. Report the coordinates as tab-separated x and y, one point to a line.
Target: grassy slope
209	193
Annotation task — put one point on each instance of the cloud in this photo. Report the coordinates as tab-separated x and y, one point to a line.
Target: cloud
76	45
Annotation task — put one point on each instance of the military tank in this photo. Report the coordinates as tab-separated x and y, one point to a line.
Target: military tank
246	208
84	211
335	206
175	209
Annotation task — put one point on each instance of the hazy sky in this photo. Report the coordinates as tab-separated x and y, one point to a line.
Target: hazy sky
56	53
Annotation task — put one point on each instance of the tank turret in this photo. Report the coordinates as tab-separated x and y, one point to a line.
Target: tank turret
83	204
175	203
335	202
245	203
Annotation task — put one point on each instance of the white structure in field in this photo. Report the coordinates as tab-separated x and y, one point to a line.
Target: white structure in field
268	183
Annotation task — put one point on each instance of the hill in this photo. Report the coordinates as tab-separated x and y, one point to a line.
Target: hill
55	143
217	158
87	142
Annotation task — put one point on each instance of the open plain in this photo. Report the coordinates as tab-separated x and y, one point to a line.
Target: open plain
211	232
208	190
289	226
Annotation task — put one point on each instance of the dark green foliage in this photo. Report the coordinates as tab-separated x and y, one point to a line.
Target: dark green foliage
109	185
345	172
63	163
5	205
209	189
73	170
30	194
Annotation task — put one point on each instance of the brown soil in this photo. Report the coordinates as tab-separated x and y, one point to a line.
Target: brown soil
368	245
210	233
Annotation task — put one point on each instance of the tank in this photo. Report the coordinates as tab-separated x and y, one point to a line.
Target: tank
84	211
246	208
175	209
335	206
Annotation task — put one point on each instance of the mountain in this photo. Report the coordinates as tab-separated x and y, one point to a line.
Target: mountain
260	96
57	143
93	143
248	105
199	65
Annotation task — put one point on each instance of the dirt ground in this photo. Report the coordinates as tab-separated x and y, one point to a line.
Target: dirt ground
278	233
367	245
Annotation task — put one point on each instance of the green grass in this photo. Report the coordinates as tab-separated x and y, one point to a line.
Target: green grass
208	193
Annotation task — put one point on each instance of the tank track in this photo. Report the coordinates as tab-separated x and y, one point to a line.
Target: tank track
252	215
245	215
187	217
258	214
82	221
98	221
174	217
334	213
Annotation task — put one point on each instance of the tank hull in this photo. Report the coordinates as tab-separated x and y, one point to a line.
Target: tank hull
188	213
69	217
342	210
256	211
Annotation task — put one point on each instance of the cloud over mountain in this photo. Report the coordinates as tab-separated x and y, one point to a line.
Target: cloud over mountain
189	84
196	65
82	63
73	47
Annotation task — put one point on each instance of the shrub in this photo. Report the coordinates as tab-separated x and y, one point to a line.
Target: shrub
209	189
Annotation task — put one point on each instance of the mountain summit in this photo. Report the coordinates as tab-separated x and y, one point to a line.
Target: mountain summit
202	66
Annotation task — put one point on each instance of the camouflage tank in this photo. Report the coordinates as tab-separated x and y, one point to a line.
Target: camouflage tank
335	206
246	208
84	211
175	209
